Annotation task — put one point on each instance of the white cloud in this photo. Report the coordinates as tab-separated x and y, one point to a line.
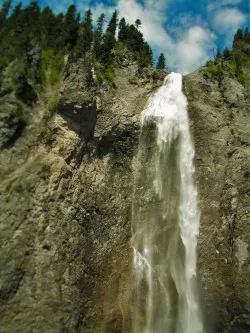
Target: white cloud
191	48
213	5
228	19
194	49
152	17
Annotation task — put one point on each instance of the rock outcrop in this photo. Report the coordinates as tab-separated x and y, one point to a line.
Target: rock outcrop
66	191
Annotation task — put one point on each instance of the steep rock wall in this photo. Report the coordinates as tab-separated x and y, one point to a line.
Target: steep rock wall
66	204
220	121
65	208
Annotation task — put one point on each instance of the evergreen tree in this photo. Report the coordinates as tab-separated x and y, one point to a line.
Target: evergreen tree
28	28
145	57
218	54
71	23
138	23
106	56
15	17
247	36
47	26
113	23
227	54
4	11
22	30
135	39
100	22
161	62
237	37
85	35
98	36
123	30
218	57
32	19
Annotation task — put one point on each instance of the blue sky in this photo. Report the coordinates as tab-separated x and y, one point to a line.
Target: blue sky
187	31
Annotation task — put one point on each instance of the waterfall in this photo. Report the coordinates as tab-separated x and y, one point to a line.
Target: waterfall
165	219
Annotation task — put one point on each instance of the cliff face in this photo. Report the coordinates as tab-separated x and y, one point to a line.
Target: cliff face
65	206
220	121
66	191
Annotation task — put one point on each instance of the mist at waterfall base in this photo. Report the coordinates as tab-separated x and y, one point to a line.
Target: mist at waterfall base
165	219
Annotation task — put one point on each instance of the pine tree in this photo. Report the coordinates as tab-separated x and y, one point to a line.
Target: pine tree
145	56
85	35
113	23
98	36
71	22
227	54
237	37
100	22
123	30
218	54
47	26
247	36
4	11
106	56
32	18
138	23
161	62
58	32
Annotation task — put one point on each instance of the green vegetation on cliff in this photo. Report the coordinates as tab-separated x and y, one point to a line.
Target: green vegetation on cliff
236	61
53	36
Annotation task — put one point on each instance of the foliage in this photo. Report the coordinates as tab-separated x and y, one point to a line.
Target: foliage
51	67
106	57
236	61
227	54
85	35
214	70
4	12
98	36
138	23
104	73
134	41
23	29
113	23
161	63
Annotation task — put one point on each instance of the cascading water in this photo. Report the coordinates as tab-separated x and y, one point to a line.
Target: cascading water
165	221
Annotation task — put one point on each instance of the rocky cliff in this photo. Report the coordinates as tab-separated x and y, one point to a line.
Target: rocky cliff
66	191
220	121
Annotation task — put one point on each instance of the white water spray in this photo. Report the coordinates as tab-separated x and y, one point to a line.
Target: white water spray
165	219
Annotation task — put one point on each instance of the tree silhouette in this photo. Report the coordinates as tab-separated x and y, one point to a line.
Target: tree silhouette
161	62
138	23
